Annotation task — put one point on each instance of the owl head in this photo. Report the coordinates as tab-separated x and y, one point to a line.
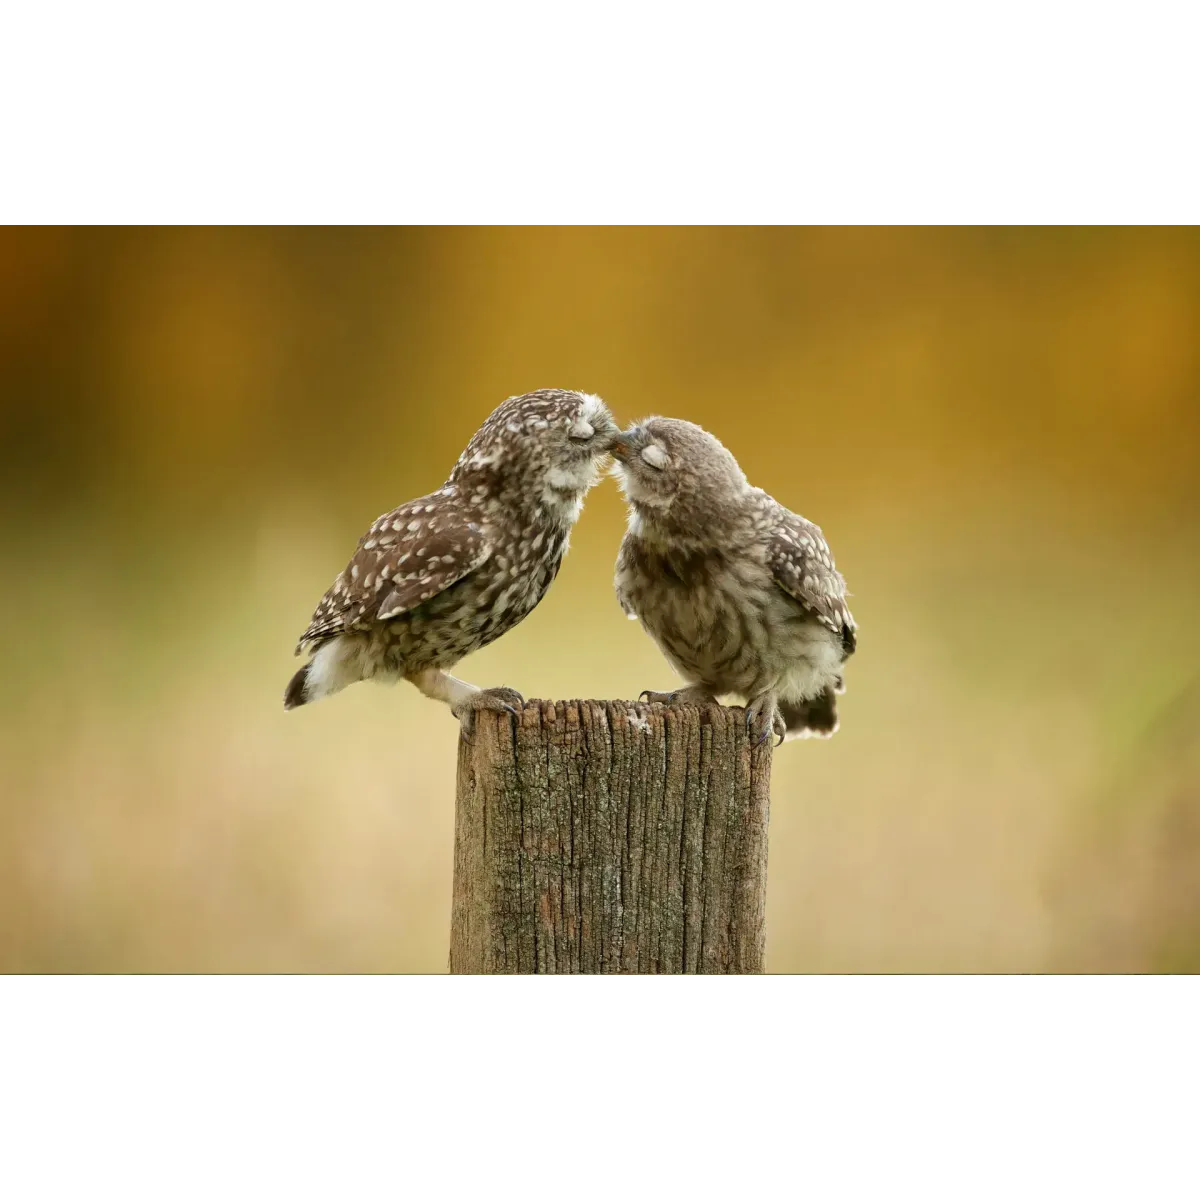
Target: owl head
545	446
678	476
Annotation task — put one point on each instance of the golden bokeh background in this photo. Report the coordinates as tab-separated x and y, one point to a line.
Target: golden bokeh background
998	429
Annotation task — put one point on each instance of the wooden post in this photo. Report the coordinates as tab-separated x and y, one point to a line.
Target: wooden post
606	836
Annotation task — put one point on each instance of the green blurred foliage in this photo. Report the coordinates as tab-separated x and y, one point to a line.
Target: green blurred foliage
998	429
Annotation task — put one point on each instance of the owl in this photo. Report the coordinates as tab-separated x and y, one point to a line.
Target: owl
740	594
445	574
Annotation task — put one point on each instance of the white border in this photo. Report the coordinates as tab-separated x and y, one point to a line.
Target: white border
969	1086
617	113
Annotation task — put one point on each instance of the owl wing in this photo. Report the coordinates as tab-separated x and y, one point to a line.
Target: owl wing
803	566
624	563
408	556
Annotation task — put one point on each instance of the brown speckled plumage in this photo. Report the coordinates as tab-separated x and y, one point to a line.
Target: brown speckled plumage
741	595
445	574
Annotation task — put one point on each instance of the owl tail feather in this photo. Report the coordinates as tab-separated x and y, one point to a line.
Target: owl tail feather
294	696
335	664
811	718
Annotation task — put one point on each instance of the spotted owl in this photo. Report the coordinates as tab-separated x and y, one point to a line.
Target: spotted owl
741	595
445	574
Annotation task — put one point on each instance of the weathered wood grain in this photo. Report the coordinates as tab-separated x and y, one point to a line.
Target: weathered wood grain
610	837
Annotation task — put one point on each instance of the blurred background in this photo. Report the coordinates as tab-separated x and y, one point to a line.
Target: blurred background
998	430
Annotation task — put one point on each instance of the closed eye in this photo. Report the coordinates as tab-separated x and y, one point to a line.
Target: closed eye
581	431
655	456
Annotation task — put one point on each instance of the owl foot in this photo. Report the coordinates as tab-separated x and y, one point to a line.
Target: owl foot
498	699
763	718
689	695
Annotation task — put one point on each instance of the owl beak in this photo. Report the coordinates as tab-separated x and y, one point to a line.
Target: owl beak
620	448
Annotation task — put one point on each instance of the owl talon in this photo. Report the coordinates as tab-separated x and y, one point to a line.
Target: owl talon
773	728
505	698
697	695
763	713
499	699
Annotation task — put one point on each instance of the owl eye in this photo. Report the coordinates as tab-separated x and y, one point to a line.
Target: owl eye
581	431
655	456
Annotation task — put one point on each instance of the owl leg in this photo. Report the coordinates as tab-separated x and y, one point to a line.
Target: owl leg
764	718
697	694
465	699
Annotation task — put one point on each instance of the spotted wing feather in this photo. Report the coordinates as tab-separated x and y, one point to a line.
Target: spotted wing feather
803	566
407	557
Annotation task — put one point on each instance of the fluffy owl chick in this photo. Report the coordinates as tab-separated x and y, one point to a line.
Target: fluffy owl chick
740	594
445	574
